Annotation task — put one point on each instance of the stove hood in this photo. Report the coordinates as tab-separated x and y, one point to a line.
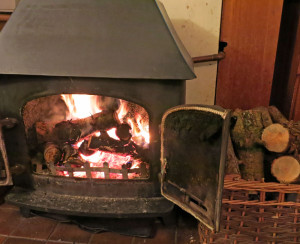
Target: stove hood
131	39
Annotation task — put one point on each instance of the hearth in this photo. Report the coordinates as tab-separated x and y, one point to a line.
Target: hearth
131	145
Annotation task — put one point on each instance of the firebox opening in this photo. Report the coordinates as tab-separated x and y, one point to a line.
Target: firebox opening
87	136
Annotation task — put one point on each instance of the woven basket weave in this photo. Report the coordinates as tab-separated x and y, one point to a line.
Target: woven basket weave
249	216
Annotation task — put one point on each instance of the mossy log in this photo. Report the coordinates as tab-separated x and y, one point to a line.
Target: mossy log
246	136
265	116
252	167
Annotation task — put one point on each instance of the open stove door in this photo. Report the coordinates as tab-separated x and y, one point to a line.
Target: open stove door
193	152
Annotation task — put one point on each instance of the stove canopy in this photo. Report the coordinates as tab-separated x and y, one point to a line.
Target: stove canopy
93	38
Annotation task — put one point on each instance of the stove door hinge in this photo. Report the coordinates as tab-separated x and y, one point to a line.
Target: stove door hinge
6	178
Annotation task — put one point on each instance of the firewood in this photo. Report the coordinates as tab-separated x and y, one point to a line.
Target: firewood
104	140
246	136
123	132
72	130
277	116
265	116
286	169
292	126
276	138
52	153
85	149
248	128
68	151
232	162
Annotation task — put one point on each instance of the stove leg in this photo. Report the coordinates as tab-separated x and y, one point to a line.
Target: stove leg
26	212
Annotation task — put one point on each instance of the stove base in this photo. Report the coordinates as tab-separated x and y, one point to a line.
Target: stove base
89	206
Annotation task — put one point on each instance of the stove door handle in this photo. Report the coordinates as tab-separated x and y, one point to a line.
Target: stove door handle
8	123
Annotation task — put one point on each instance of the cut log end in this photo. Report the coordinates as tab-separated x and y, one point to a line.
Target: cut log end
276	138
286	169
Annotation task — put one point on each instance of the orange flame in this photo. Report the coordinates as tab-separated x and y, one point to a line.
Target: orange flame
82	106
122	111
140	131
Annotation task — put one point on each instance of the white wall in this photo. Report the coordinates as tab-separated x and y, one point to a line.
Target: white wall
7	5
197	23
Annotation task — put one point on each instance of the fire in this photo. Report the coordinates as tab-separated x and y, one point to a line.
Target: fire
82	106
140	133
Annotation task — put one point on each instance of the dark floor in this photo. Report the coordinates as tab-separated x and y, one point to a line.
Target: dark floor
15	229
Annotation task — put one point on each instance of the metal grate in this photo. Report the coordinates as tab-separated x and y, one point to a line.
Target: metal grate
108	173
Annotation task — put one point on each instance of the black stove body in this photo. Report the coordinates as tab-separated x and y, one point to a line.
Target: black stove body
121	49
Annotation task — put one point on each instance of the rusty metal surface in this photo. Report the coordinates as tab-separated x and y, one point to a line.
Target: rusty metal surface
93	38
6	123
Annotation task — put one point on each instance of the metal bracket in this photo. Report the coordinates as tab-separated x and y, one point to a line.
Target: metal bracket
7	123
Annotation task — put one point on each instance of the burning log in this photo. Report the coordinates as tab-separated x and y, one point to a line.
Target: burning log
68	152
52	153
286	169
72	130
123	132
276	138
85	149
105	143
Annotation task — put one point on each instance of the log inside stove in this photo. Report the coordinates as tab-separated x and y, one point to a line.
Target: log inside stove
89	136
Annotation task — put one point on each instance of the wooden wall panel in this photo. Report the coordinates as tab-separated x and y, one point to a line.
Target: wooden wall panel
251	28
296	109
285	91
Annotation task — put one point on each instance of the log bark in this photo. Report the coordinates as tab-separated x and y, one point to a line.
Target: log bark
72	130
68	152
252	167
246	136
232	162
277	116
286	169
276	138
265	116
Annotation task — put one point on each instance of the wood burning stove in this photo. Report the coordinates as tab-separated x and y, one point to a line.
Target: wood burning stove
125	52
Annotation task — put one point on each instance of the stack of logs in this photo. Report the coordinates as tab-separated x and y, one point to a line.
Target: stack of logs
57	139
264	144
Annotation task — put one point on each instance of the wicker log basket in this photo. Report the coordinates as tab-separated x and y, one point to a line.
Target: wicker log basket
249	217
